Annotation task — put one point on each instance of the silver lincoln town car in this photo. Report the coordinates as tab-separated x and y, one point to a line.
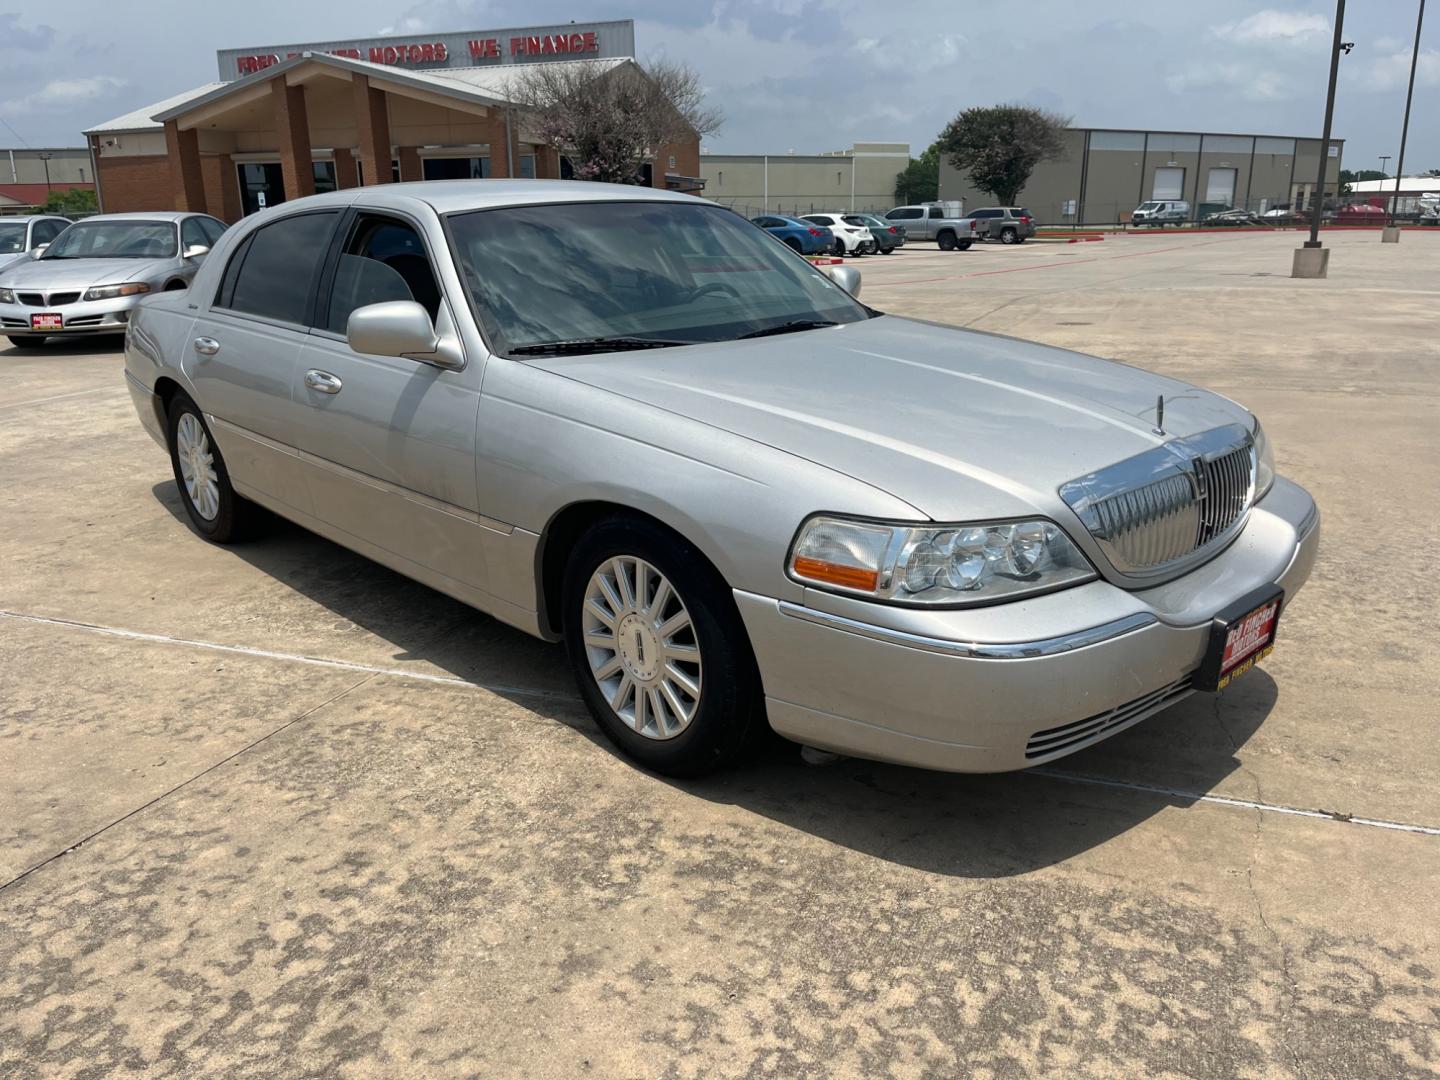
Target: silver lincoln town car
631	420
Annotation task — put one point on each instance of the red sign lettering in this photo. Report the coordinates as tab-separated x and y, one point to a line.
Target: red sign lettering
484	49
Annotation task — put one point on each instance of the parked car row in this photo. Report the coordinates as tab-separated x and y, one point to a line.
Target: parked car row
841	233
86	277
834	233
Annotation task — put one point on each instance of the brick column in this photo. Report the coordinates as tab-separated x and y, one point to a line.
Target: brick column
230	208
187	181
292	127
373	123
547	163
409	157
345	176
499	144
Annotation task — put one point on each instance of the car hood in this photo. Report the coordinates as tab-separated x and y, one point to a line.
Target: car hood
959	424
81	273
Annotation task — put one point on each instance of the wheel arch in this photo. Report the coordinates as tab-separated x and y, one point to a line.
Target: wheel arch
559	537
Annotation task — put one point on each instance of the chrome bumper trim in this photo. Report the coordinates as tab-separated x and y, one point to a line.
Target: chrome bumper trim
975	650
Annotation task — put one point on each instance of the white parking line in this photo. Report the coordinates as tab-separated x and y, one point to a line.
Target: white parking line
59	397
295	658
451	680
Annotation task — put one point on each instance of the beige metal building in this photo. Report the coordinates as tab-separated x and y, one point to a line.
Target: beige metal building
68	165
1104	174
860	178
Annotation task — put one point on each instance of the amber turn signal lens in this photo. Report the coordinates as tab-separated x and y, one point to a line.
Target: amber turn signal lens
850	577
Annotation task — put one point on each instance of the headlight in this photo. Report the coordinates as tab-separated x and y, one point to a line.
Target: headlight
112	292
941	565
1264	462
6	296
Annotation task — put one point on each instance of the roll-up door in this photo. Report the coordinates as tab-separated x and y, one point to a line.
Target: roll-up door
1169	184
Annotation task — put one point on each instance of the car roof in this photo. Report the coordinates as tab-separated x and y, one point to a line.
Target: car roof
156	215
450	196
26	218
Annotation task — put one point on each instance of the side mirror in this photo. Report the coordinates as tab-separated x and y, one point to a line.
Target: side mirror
400	328
195	251
847	277
39	250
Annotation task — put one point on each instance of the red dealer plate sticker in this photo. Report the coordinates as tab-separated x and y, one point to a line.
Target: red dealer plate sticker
54	321
1240	637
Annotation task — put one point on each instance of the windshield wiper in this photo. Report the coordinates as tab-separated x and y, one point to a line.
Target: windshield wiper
594	345
791	327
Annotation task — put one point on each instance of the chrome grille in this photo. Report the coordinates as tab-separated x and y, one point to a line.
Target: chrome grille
1152	512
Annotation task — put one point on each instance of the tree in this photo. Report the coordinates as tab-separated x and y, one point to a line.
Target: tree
71	201
610	120
1348	177
1000	145
920	180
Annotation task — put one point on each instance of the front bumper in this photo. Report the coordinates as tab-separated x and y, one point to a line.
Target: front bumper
1018	684
81	317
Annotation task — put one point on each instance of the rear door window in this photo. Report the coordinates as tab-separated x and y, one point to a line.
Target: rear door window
273	275
905	213
936	212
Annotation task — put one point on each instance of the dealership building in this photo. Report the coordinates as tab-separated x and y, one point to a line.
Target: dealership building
286	121
1104	173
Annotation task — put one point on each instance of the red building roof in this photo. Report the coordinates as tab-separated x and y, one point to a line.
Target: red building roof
34	194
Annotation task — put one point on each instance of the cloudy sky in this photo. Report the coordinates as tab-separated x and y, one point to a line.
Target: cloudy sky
809	74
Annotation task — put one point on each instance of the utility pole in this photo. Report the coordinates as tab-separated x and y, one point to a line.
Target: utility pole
46	159
1313	260
1391	233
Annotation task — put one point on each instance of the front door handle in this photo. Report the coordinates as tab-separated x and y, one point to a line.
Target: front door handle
322	381
206	346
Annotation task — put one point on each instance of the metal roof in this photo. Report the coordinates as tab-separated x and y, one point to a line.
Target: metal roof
481	85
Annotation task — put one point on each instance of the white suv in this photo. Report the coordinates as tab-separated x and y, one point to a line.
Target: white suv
849	239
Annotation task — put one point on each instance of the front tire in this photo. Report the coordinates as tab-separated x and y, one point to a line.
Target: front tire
21	341
658	649
214	508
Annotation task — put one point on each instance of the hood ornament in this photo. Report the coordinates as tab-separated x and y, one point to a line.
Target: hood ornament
1160	415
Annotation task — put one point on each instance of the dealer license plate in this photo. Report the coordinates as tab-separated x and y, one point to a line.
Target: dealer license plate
49	321
1240	637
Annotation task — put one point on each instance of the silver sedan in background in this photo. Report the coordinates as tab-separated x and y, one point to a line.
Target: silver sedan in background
627	419
26	235
94	273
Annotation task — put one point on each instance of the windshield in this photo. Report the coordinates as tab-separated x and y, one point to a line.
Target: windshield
12	237
115	240
1148	206
667	273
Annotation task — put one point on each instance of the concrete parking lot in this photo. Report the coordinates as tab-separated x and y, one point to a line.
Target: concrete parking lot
275	811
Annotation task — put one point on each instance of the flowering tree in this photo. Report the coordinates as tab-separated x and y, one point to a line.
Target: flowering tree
611	119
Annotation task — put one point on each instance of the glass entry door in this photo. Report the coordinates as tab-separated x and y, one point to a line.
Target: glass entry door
261	184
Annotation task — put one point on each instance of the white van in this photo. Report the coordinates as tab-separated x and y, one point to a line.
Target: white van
1161	212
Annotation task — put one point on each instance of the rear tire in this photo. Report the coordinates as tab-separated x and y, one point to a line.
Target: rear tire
615	625
793	244
1008	236
964	245
946	239
214	508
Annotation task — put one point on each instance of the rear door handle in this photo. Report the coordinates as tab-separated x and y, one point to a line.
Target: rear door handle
206	346
322	381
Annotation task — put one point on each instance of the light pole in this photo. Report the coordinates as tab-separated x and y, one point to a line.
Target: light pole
1391	234
1312	260
1384	158
46	159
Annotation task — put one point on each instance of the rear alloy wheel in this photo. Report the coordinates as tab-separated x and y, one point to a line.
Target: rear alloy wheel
1008	236
658	649
212	505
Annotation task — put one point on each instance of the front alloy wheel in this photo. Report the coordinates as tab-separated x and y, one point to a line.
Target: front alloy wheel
658	649
640	642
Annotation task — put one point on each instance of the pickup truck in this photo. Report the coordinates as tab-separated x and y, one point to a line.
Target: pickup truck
929	222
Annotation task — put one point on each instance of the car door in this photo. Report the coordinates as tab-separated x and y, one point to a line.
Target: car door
245	347
388	443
